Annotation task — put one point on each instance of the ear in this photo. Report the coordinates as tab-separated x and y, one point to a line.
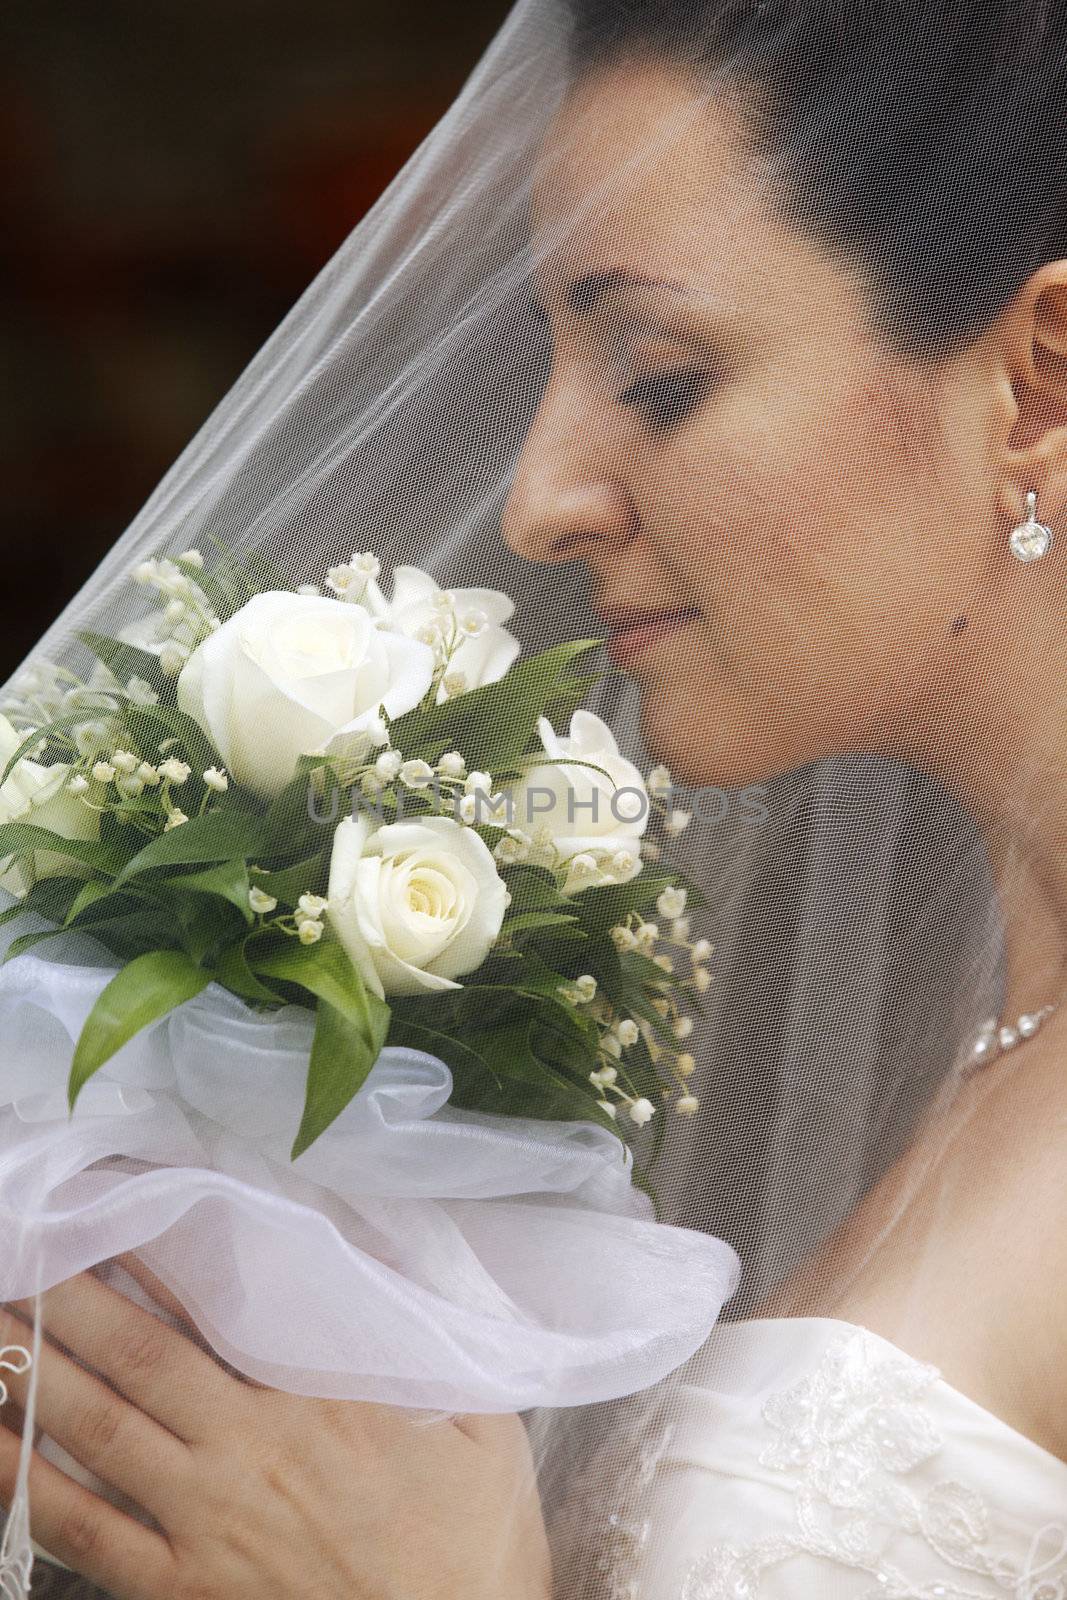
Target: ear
1034	352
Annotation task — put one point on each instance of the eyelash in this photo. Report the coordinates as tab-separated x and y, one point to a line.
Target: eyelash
665	399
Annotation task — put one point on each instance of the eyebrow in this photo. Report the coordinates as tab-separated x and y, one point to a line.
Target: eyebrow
585	293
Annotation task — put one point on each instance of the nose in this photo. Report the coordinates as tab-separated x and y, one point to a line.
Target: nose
567	499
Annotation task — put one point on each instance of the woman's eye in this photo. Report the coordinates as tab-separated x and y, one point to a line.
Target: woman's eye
667	398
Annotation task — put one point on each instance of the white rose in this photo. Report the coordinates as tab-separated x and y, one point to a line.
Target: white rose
480	658
415	904
290	675
588	814
39	795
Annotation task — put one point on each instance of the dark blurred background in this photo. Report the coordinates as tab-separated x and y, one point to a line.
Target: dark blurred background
172	175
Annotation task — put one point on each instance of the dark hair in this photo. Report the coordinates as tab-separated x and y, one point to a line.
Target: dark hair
924	141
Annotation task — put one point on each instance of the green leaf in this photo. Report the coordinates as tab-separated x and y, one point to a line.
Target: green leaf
228	882
234	973
342	1055
534	919
126	661
218	836
26	941
350	1029
493	725
88	896
22	838
145	990
325	971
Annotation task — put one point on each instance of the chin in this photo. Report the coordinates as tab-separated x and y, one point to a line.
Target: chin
712	740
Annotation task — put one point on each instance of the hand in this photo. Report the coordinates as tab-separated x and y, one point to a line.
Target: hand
257	1493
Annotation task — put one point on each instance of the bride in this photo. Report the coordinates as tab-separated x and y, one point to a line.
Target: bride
754	312
806	433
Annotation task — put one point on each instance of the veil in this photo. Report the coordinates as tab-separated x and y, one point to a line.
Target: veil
705	355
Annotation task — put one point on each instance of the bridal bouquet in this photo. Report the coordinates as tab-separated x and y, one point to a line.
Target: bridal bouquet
339	985
360	806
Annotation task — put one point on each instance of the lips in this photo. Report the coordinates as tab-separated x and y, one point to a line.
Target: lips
633	629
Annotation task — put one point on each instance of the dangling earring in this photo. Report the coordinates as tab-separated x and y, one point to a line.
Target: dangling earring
1031	539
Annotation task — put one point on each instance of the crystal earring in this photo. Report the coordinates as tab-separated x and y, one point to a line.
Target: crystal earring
1031	539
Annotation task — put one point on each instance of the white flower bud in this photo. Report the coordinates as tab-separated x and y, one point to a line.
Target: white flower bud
468	810
623	863
659	778
628	1032
125	761
175	611
175	819
129	784
339	579
647	934
701	979
429	633
473	623
216	779
687	1105
611	1045
608	1075
261	902
623	938
702	950
104	772
89	737
680	929
583	865
366	563
141	693
586	985
172	658
192	558
388	765
444	600
509	849
686	1064
310	932
454	683
683	1027
677	821
664	963
312	905
148	774
671	902
174	771
312	589
607	1108
478	780
452	765
78	784
416	774
641	1111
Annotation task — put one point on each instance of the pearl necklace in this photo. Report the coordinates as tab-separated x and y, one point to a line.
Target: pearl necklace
995	1037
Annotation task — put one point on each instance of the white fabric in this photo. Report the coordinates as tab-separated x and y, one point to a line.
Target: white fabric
809	1457
429	1256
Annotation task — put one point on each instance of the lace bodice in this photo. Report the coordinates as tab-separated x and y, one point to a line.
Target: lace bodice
811	1458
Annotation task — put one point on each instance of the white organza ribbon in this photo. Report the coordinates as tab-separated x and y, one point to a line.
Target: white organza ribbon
415	1255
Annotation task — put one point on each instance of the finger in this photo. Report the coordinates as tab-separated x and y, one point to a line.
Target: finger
158	1369
159	1292
101	1430
109	1548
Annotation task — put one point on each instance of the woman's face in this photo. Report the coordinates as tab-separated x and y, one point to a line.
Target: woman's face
782	522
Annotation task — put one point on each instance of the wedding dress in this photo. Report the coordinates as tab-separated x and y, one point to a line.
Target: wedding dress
810	1457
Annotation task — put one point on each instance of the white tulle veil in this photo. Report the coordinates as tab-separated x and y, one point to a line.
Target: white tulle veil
852	896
